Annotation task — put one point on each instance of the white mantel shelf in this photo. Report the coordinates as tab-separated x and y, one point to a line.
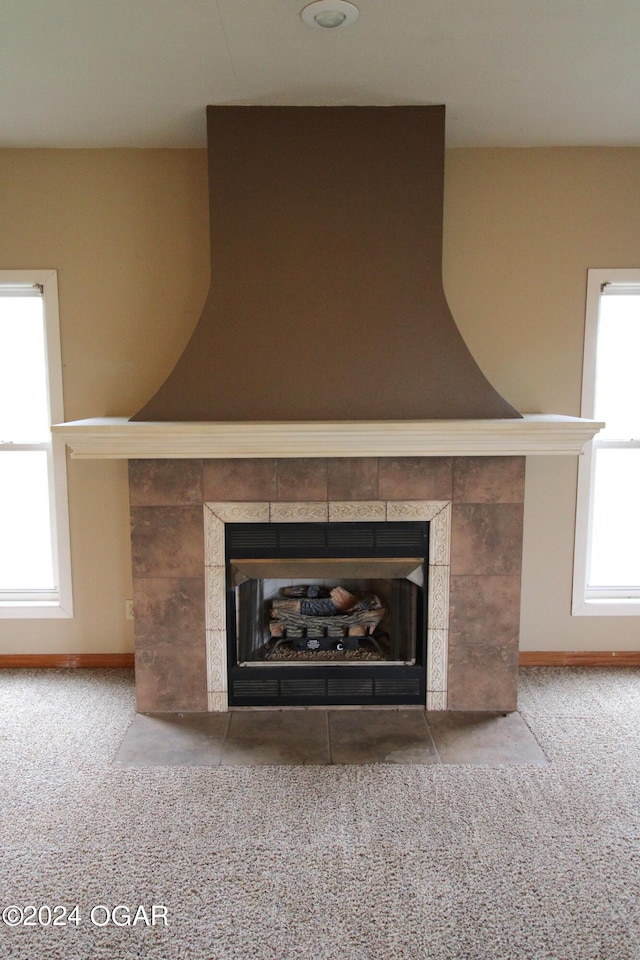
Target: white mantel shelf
116	438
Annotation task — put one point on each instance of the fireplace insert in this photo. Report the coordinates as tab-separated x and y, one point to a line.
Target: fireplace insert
326	613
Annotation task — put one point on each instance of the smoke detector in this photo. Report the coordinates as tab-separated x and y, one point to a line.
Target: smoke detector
330	13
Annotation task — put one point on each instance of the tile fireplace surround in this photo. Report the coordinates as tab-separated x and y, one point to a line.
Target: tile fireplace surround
178	510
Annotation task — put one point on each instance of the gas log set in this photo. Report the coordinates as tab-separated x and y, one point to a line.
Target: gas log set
311	618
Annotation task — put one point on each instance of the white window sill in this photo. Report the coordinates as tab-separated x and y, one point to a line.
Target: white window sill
607	608
33	609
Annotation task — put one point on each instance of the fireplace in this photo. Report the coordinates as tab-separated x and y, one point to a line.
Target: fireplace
181	510
326	613
416	527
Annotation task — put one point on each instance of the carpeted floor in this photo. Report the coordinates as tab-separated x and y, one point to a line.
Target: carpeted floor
415	862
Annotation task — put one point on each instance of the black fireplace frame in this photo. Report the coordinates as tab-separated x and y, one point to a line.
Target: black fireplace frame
332	684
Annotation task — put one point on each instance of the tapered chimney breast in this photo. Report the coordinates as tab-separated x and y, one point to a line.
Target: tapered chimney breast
326	298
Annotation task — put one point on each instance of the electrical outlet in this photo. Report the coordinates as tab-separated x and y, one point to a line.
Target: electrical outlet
128	609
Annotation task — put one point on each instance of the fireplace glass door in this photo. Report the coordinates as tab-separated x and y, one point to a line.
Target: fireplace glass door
322	613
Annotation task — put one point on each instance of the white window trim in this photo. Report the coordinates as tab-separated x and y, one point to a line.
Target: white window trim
582	605
62	606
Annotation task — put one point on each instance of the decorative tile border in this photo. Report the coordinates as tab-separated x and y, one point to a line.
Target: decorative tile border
345	511
295	512
438	597
437	512
436	700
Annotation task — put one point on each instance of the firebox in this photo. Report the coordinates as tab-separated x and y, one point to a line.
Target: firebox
326	613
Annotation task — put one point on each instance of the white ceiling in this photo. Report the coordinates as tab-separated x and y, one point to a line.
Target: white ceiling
139	73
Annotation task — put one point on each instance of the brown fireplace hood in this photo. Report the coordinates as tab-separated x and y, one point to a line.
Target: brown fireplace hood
326	299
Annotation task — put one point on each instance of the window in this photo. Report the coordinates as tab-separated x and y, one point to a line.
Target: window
607	564
35	578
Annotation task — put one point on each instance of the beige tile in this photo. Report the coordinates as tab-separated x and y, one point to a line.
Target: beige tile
484	738
167	541
486	539
302	479
248	738
299	512
353	478
341	511
295	737
488	479
245	511
239	479
165	482
172	740
415	509
380	736
415	478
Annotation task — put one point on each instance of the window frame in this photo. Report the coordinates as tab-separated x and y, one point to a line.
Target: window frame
58	603
584	604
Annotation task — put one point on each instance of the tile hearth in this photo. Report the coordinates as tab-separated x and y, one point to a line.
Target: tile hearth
319	736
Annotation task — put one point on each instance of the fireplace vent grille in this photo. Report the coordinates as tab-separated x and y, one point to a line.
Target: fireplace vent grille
297	537
254	536
256	688
302	688
374	539
358	687
320	690
388	687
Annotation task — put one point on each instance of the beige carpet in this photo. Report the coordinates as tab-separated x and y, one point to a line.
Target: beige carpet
436	862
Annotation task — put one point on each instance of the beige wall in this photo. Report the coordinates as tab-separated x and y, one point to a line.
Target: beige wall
522	227
127	231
